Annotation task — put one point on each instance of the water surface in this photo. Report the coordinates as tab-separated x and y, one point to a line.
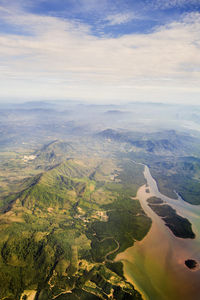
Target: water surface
156	265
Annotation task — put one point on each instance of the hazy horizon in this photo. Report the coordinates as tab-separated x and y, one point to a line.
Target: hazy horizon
99	149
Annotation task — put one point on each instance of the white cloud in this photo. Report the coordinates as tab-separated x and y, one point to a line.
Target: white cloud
62	59
117	19
165	4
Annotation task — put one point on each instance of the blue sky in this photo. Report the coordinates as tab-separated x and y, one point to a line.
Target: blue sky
100	50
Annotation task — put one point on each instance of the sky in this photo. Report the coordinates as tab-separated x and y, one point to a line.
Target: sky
100	51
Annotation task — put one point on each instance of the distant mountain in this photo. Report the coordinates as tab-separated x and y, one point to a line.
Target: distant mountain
36	104
115	112
166	142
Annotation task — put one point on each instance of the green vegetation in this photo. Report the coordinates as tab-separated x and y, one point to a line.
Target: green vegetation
116	267
191	263
173	173
154	200
131	176
187	188
181	174
60	233
180	226
67	207
126	223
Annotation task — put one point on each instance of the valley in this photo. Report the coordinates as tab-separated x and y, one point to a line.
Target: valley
71	220
83	207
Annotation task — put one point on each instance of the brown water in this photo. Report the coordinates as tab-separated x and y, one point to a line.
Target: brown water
156	265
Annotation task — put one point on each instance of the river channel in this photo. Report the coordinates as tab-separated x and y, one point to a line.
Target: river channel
156	265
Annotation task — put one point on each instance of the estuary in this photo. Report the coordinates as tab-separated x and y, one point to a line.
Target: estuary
156	265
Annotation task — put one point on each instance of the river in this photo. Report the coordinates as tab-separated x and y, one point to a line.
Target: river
156	265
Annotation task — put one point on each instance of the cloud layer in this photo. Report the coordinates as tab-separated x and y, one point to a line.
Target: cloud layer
49	57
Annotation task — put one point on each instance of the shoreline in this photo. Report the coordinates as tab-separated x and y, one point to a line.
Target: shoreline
155	265
130	279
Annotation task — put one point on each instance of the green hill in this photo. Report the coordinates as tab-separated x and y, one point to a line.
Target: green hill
61	233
